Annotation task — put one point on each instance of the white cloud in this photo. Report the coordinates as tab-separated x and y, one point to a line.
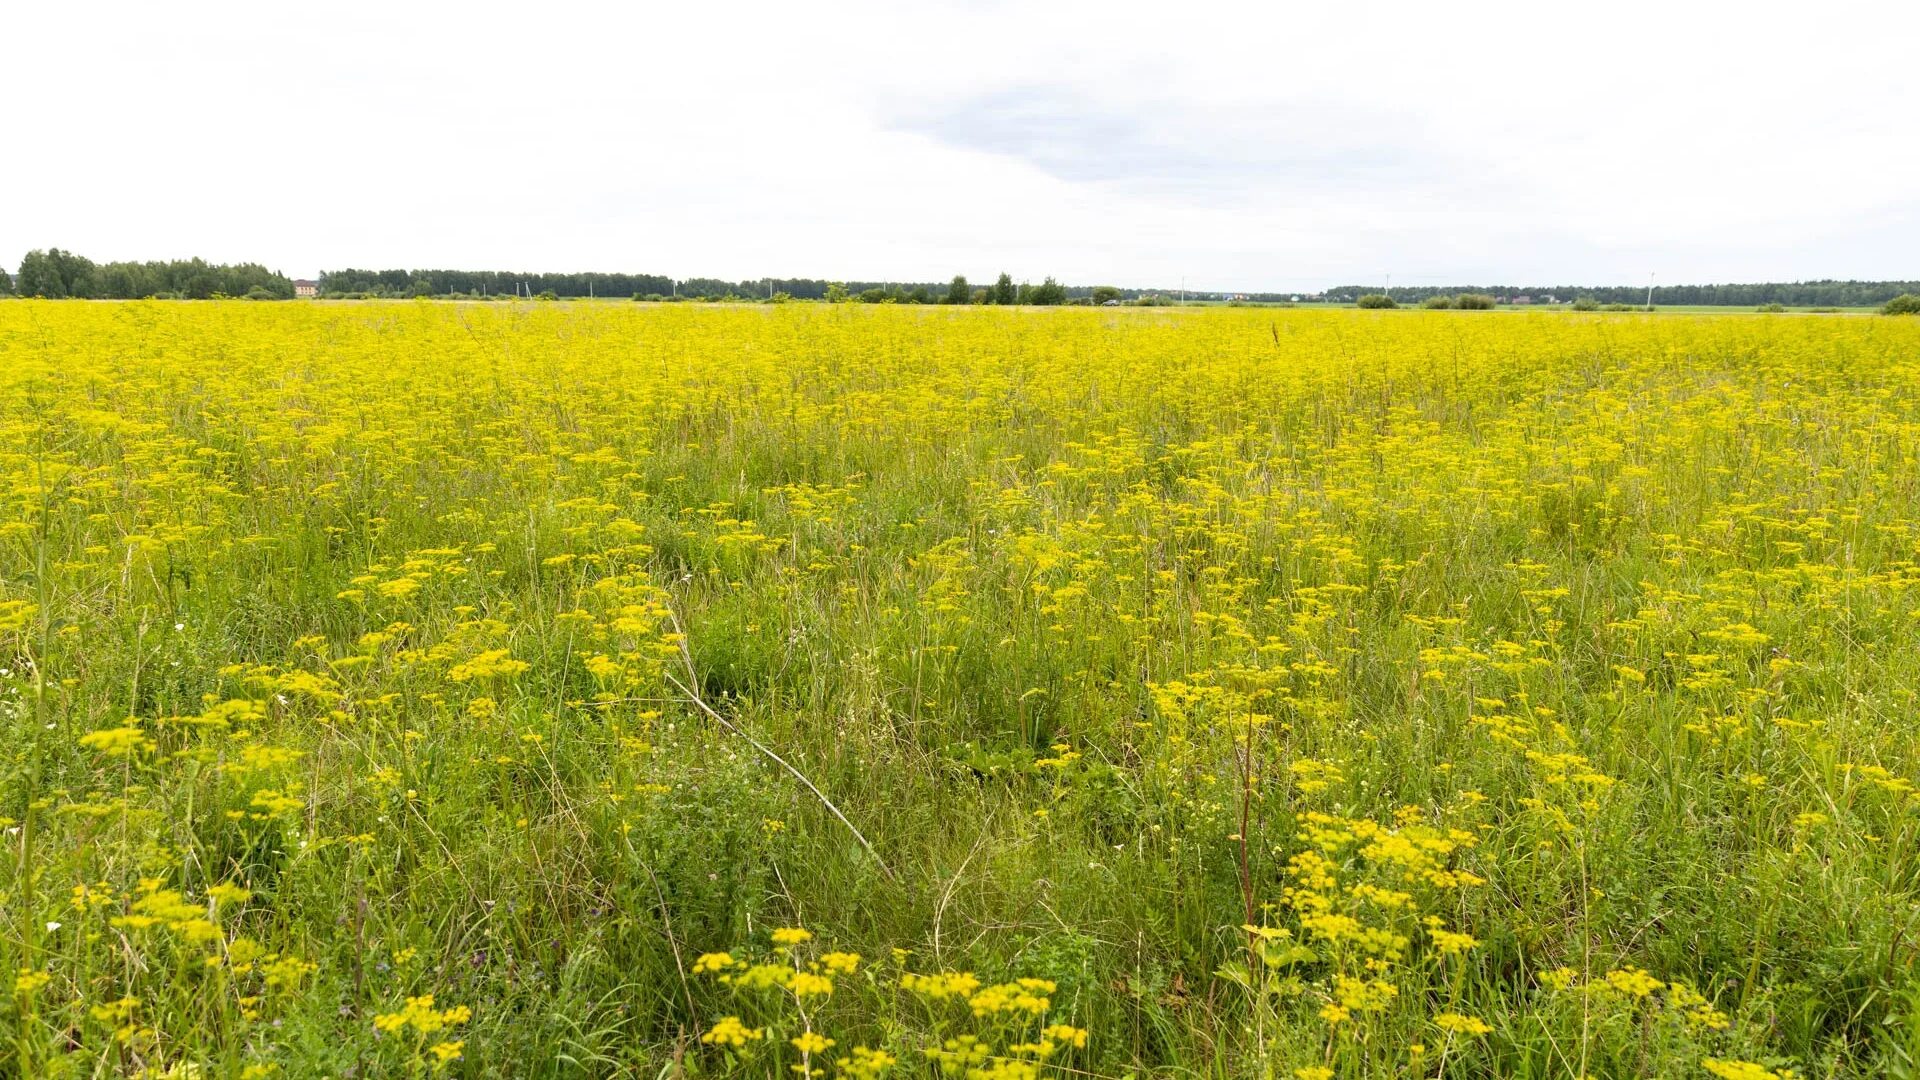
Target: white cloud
1235	145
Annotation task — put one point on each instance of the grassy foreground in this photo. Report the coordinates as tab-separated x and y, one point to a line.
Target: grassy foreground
593	690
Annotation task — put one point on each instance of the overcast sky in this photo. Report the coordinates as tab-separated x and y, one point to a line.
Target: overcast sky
1236	146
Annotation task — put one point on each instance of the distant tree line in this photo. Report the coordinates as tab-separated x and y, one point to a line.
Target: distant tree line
1796	294
489	283
408	283
55	274
1049	291
58	275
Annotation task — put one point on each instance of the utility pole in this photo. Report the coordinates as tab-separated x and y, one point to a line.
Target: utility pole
1649	292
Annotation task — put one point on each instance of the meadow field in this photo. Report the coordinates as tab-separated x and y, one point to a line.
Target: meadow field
425	689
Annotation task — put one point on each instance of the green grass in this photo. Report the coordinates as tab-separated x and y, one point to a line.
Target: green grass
528	653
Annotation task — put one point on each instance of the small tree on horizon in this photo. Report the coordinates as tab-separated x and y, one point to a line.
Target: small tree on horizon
957	291
1048	292
1003	290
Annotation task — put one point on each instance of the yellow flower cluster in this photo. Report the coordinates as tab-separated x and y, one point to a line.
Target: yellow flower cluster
941	985
1455	1023
1635	986
1745	1070
1015	1010
729	1031
420	1015
865	1063
1026	995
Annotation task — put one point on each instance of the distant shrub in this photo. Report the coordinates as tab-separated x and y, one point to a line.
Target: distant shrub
546	294
1904	304
1620	307
1473	302
259	292
1824	310
1585	303
1437	303
1771	309
1376	301
1047	293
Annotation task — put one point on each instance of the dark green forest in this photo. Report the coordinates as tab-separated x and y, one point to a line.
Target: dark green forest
57	275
